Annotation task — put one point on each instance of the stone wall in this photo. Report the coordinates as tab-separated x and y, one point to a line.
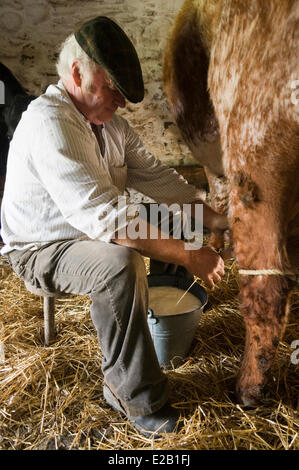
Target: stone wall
32	30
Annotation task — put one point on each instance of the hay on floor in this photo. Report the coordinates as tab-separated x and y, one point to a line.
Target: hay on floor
51	398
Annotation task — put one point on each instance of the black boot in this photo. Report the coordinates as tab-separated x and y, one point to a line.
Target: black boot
161	421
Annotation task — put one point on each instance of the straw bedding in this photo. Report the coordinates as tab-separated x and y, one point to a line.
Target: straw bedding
51	398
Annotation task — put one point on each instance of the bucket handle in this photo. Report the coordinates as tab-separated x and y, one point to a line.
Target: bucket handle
151	316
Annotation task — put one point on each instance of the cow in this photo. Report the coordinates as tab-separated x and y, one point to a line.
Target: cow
230	69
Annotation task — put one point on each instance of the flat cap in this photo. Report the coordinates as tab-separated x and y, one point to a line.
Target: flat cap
107	45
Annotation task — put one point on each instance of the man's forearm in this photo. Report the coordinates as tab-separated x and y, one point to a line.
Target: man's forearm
211	219
169	250
204	262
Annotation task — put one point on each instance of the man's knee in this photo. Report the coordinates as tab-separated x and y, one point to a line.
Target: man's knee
131	263
121	291
116	264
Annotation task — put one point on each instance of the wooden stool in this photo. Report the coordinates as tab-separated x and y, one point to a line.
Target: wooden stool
49	312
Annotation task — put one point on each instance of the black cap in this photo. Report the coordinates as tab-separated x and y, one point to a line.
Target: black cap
107	45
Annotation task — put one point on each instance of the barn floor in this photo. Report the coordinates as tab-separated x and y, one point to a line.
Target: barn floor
51	398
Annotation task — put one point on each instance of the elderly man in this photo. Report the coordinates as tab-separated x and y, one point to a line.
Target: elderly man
70	161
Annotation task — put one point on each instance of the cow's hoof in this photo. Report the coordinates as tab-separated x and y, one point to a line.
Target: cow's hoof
250	397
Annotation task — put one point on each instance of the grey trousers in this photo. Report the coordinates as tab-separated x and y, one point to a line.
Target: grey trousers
115	279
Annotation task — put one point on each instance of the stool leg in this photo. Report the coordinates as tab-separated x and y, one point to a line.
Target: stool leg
49	319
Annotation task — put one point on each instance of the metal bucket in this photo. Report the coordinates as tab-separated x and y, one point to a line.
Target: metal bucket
173	334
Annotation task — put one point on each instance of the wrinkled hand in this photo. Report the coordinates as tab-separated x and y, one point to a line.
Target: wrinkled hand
206	264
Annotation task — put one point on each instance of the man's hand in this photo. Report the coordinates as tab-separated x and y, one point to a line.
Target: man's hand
221	235
214	221
206	264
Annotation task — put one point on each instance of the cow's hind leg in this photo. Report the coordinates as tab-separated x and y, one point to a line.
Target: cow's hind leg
260	202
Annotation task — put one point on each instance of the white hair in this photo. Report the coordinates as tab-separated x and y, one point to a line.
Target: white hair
70	50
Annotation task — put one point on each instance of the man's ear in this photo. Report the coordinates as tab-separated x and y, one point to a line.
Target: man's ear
76	73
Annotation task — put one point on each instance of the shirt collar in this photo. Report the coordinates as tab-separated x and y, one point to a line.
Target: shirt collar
64	91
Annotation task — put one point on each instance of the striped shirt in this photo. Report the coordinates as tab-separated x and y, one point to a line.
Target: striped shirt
59	185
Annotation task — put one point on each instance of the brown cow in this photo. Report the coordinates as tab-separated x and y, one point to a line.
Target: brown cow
229	73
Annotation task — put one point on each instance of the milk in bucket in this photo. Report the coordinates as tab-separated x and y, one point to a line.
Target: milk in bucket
166	300
173	316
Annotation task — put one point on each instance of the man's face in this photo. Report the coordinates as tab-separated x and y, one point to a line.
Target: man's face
100	99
